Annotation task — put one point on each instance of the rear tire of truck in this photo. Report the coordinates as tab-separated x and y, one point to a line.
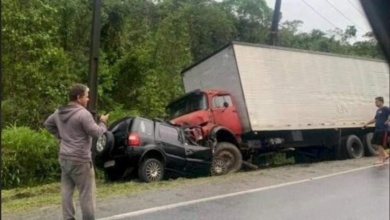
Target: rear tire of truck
231	155
353	147
368	147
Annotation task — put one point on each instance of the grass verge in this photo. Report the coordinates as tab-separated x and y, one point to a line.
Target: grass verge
26	199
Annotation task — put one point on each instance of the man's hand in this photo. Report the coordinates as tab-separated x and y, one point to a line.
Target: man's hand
368	123
104	118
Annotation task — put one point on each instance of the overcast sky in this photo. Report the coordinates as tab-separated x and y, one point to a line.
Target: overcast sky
351	9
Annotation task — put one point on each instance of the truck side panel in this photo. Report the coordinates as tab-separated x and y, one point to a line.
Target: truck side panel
219	72
292	90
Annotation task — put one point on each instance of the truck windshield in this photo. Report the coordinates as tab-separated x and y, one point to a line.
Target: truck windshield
188	104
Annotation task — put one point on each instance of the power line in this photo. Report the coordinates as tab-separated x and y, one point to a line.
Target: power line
344	16
320	14
357	9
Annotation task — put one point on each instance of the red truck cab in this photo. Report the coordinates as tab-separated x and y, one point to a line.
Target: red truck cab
214	110
216	113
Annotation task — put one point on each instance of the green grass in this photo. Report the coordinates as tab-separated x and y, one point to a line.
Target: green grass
25	199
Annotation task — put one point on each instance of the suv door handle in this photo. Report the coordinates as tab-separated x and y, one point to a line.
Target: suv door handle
190	151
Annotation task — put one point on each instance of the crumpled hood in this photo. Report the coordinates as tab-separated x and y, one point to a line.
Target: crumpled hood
65	112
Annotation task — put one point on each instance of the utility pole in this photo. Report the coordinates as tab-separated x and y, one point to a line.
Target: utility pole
273	37
94	58
93	66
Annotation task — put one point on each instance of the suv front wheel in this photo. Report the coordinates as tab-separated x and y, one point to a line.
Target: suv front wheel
151	170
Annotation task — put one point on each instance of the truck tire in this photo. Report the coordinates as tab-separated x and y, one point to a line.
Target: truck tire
369	148
231	155
353	147
151	170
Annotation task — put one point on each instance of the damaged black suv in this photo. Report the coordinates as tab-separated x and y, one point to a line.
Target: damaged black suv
153	150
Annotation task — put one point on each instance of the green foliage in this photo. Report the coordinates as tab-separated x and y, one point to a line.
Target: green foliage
144	45
28	157
119	113
36	73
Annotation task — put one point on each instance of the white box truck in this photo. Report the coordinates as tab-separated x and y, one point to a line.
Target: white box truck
257	99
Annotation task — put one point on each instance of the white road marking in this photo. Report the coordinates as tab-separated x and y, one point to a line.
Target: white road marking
180	204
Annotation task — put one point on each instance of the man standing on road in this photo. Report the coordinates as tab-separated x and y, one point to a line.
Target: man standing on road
74	126
381	121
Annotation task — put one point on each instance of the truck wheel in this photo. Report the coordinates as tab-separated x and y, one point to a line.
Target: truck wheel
369	148
151	170
353	147
230	155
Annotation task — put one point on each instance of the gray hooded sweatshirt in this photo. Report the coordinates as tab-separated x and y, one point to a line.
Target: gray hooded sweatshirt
74	126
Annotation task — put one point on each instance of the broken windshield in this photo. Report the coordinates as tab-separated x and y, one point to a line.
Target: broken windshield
193	102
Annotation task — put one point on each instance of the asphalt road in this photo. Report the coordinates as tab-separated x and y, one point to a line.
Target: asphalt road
362	194
288	192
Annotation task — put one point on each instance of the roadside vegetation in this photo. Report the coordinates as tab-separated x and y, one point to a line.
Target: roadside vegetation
144	46
26	198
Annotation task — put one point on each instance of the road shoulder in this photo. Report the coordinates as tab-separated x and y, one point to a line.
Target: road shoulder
204	187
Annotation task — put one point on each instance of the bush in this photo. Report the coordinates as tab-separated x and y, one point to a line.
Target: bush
28	157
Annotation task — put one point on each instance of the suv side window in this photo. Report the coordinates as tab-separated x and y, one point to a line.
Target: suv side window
169	135
144	127
121	125
219	100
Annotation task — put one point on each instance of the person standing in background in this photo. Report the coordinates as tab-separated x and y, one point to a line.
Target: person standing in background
74	126
380	137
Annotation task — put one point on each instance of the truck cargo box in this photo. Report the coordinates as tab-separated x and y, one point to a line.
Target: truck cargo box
288	89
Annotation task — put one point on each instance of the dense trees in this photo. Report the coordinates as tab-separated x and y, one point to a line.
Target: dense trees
144	45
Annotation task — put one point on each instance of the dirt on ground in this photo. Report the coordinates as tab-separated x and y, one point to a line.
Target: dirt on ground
201	188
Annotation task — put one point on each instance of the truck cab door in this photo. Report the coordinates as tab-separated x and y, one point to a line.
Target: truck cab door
225	113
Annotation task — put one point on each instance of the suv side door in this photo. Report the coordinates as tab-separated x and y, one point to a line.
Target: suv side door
198	158
169	141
